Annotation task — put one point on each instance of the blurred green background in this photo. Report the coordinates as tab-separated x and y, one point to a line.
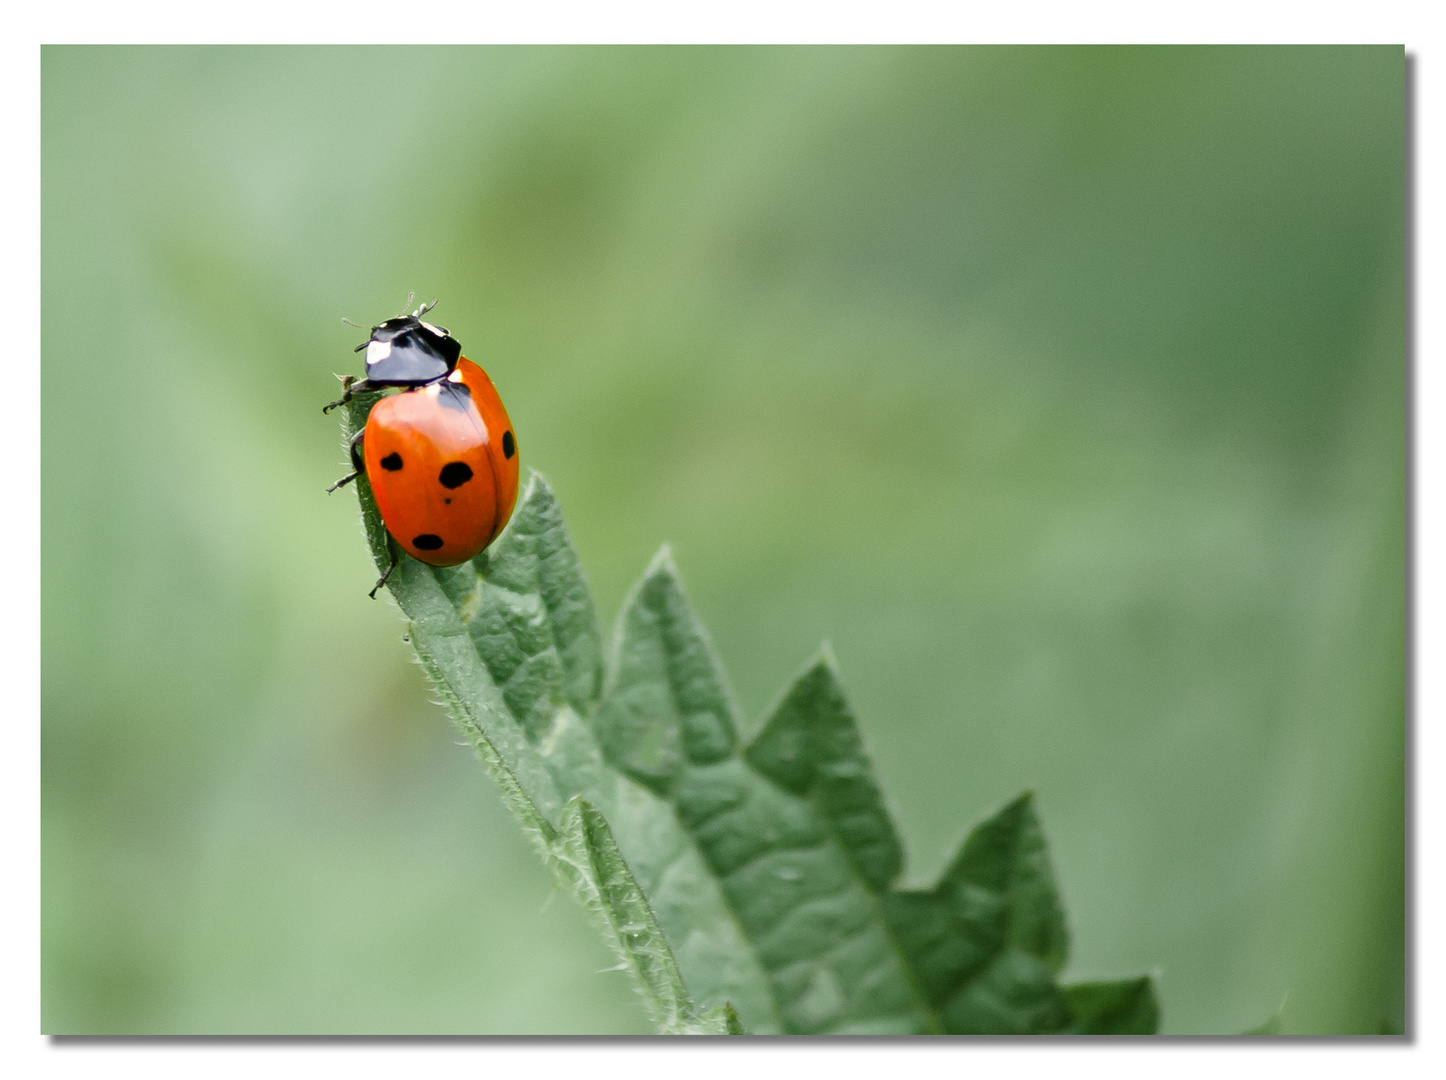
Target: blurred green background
1061	389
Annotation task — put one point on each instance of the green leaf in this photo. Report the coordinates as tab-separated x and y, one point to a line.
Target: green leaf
1124	1007
543	639
740	884
792	862
591	862
989	938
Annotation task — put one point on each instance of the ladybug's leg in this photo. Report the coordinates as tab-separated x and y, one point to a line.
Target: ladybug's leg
355	447
347	381
358	465
396	557
350	387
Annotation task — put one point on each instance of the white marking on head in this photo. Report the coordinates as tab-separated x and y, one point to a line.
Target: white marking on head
377	351
435	329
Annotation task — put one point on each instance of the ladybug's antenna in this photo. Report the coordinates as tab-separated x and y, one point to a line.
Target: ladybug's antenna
424	309
410	297
358	325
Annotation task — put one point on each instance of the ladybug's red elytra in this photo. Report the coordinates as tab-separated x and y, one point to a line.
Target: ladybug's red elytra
441	456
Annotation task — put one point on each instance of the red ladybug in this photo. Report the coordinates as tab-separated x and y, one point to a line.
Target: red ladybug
440	456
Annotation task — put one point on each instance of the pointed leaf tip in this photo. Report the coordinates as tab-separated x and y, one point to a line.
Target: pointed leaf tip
661	564
667	705
823	664
1003	867
733	1025
987	940
1119	1007
811	747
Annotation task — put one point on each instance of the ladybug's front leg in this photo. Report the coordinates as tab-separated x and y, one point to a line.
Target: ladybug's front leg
346	385
358	463
350	387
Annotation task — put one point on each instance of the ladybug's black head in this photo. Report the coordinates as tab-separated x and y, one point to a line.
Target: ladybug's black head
406	351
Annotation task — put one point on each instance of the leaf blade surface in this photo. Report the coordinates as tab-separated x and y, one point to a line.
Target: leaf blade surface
743	886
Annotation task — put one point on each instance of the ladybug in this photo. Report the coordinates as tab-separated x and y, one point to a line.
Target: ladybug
440	456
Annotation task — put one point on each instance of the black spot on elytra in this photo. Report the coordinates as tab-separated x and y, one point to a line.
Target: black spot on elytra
455	474
427	542
508	446
392	462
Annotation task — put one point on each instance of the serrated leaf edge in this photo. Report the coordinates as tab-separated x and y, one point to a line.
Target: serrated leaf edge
584	836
